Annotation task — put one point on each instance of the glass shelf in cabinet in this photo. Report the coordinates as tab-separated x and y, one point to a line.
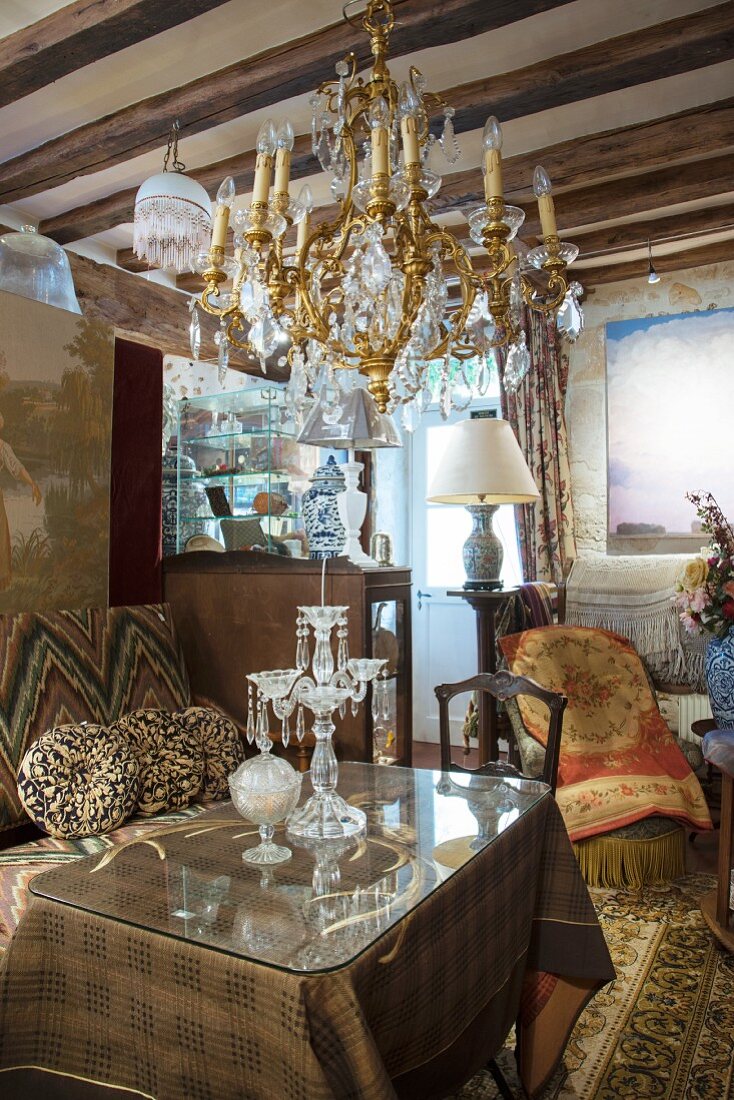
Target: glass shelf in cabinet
253	475
198	440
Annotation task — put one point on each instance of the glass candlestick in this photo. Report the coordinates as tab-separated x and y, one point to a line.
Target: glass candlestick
333	684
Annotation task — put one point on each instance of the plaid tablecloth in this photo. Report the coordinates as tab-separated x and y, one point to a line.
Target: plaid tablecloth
90	1006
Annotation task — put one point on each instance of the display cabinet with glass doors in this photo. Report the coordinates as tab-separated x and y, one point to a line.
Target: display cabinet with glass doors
241	475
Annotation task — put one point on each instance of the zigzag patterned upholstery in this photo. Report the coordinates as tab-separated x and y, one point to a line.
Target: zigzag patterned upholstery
21	864
92	665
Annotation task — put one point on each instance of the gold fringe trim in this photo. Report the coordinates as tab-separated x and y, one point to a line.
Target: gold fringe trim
611	862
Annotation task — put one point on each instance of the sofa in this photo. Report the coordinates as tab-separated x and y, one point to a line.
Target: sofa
93	665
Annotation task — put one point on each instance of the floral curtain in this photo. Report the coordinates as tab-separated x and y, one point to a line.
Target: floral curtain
535	411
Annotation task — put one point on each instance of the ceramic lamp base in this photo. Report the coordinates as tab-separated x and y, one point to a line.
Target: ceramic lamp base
326	816
352	507
483	552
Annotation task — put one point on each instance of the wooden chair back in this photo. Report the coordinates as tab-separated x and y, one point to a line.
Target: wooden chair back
503	686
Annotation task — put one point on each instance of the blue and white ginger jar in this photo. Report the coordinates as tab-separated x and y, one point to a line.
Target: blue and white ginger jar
193	500
324	530
719	669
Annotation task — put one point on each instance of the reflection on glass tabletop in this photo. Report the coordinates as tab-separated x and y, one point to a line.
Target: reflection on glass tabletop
331	900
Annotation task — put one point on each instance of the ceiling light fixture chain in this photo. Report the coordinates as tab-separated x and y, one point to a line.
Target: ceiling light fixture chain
368	291
172	150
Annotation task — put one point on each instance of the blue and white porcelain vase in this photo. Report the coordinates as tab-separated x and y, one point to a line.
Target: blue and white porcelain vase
719	668
324	530
194	500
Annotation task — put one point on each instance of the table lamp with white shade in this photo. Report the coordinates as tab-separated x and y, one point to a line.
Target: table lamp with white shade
482	468
356	425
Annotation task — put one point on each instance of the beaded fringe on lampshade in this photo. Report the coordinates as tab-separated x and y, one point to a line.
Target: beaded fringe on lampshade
170	231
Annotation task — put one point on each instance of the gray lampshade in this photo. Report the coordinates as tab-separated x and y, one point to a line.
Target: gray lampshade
361	426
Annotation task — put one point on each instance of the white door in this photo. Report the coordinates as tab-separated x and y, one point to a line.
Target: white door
444	627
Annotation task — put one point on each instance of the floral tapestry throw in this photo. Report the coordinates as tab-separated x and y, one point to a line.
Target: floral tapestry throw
619	761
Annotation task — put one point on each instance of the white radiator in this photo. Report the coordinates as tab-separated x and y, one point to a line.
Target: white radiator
679	711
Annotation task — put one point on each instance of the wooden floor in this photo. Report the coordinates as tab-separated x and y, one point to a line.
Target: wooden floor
701	852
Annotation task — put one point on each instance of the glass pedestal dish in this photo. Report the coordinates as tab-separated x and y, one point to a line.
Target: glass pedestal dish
265	789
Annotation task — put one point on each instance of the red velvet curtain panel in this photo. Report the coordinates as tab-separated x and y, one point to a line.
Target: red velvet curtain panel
136	476
535	411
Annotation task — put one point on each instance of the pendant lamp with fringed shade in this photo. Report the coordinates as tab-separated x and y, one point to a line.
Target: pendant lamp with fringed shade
173	220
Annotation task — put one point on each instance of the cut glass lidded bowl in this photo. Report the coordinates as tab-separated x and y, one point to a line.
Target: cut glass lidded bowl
265	789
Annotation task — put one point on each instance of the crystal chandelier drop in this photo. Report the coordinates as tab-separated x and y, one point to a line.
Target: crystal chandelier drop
382	288
172	220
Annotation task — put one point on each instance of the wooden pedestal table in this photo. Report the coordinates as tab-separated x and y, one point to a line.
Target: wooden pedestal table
486	604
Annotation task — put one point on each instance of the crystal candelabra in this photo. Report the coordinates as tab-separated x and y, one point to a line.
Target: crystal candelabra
368	288
330	687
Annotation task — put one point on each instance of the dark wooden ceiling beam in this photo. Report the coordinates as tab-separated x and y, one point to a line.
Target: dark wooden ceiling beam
681	136
261	81
666	49
624	153
81	33
126	258
635	234
715	252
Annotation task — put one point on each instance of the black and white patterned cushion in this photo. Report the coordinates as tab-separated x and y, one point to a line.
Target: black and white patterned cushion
221	746
169	758
79	780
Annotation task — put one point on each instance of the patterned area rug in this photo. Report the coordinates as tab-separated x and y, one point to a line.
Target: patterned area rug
665	1029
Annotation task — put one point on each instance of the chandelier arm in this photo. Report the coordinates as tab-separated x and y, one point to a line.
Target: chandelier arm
234	326
556	281
212	291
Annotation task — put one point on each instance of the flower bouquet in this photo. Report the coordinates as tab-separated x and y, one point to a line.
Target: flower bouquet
705	587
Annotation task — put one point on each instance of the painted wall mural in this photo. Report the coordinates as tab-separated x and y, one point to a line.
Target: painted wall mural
56	374
669	394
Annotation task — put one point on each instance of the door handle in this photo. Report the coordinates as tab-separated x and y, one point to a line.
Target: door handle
423	596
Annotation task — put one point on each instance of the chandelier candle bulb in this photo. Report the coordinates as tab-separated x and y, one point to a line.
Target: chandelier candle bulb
283	159
543	188
225	198
266	145
492	142
379	120
305	199
408	107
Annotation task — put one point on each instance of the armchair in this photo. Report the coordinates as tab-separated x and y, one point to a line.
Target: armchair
624	786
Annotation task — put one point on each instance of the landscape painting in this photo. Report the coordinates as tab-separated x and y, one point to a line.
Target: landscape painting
56	373
670	396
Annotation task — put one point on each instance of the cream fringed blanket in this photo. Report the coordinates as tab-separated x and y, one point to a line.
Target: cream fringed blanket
633	596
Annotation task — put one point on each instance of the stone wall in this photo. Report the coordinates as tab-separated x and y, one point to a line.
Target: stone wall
682	292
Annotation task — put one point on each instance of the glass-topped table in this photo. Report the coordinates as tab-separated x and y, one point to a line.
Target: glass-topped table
391	966
331	900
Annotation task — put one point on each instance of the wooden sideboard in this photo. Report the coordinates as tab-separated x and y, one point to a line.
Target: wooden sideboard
236	613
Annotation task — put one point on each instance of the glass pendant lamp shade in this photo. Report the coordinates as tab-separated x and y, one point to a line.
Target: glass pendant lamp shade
359	426
172	221
36	267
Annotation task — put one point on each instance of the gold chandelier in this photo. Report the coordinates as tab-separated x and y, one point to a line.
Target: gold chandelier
369	290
